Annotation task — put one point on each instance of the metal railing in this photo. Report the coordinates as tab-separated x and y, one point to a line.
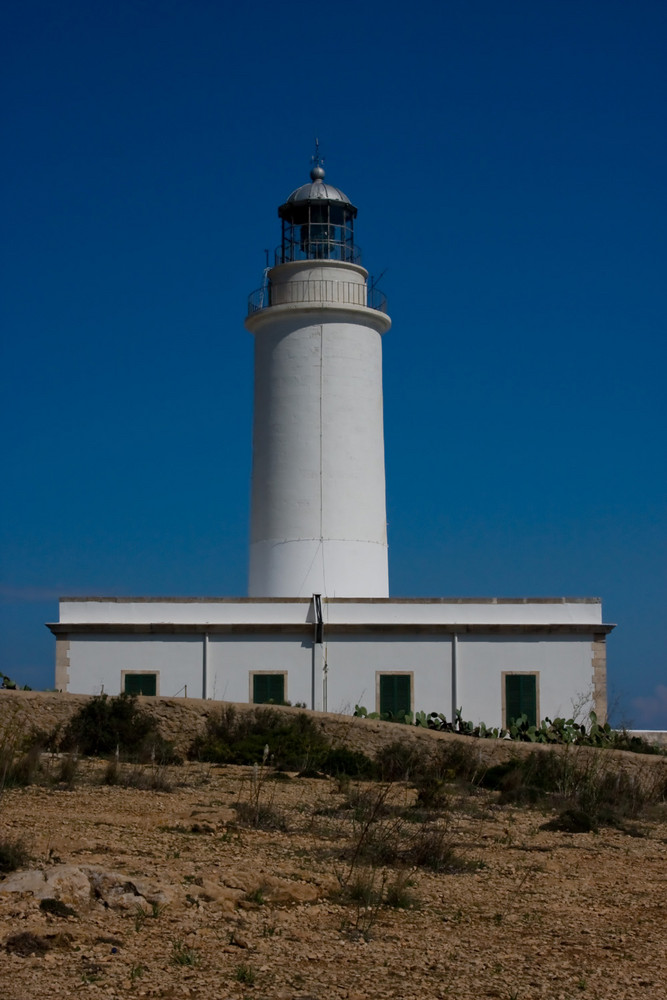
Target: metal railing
318	250
318	291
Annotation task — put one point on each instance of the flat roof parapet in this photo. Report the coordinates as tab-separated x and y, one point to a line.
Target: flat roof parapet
334	600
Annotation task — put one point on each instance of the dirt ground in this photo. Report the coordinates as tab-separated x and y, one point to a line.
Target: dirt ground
172	898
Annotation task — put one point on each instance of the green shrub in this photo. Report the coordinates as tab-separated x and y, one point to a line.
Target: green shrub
432	791
587	792
612	797
11	685
245	974
400	761
13	854
104	725
395	843
112	773
572	821
534	777
181	954
455	762
385	842
256	896
67	772
621	739
308	771
367	802
339	761
430	770
434	847
260	815
362	889
397	893
154	778
20	769
550	731
459	760
233	737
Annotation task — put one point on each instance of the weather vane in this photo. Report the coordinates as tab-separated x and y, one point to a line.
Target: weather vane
317	160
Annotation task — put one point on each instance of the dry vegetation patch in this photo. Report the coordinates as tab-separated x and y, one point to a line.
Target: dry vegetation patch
359	890
446	874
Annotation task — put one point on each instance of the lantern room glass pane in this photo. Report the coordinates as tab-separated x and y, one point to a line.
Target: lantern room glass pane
317	230
337	214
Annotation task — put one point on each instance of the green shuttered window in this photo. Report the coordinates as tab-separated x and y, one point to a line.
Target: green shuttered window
521	697
140	683
395	694
268	687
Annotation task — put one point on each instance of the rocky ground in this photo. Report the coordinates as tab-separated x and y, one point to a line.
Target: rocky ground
172	898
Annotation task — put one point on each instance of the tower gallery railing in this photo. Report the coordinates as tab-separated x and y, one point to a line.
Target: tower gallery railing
318	249
316	291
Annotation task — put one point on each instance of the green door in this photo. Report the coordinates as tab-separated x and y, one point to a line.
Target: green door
521	697
140	683
395	694
268	687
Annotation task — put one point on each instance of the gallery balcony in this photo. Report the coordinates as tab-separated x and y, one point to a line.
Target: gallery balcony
317	291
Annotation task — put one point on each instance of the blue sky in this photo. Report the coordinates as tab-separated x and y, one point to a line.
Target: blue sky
508	162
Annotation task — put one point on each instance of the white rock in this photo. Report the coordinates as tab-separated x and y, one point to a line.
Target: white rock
65	882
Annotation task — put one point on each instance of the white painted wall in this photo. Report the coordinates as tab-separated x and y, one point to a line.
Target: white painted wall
354	661
564	664
490	612
232	658
390	611
96	662
182	611
318	520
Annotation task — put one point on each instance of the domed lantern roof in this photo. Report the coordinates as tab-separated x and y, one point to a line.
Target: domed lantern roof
318	223
317	190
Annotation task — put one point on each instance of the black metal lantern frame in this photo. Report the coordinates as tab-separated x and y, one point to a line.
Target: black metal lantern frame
318	230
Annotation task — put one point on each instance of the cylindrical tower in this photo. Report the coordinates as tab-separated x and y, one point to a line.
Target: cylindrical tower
318	519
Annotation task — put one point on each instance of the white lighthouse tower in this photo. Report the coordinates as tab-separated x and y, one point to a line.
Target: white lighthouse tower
318	518
319	627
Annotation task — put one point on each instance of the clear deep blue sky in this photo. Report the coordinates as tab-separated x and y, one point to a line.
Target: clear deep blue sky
508	161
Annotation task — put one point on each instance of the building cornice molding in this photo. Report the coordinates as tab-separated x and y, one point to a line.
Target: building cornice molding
341	628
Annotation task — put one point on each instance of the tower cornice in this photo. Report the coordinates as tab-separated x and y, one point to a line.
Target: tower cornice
330	312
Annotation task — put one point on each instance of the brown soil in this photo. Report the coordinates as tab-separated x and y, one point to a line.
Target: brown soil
173	899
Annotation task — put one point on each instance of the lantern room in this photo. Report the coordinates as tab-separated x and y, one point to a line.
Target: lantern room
318	223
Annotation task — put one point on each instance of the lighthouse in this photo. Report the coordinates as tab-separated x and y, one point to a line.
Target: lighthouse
318	626
318	512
